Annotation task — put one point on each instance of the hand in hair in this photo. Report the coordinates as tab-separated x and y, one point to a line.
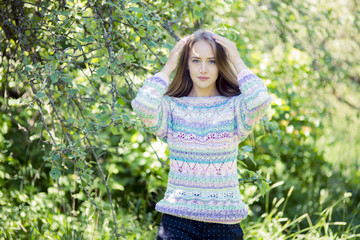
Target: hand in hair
174	55
231	50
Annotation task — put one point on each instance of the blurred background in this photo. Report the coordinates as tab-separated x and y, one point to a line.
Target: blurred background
76	162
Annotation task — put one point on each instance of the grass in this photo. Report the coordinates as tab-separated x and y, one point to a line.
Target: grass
274	225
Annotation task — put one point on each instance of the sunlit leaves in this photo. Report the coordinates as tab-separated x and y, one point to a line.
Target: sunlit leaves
256	178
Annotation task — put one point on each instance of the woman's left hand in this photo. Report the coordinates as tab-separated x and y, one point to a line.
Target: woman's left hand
230	48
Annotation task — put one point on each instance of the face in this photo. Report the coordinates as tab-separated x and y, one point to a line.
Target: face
202	67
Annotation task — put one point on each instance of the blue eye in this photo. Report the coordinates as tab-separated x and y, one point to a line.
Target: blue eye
212	61
195	61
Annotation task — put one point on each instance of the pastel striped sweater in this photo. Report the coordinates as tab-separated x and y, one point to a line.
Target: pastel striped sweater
203	134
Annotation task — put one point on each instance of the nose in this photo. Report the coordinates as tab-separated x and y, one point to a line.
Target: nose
203	68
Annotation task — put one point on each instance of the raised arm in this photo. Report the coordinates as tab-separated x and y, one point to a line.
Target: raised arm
149	103
254	100
252	104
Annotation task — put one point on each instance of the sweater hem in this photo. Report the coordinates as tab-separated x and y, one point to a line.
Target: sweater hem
182	214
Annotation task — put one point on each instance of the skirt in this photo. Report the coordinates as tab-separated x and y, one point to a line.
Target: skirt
177	228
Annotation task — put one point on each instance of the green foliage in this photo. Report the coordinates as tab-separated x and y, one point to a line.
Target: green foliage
273	224
77	164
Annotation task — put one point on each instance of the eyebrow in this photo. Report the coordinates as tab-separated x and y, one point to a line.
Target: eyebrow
207	58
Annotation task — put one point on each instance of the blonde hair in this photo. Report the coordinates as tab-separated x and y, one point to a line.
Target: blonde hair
226	83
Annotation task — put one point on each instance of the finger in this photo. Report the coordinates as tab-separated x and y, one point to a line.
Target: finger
185	39
223	43
223	40
226	41
181	43
228	48
179	46
216	36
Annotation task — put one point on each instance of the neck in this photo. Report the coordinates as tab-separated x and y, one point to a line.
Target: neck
195	93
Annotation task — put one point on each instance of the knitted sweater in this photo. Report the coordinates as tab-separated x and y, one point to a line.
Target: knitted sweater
203	134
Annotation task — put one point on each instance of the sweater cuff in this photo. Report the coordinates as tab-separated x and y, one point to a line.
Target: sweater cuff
163	77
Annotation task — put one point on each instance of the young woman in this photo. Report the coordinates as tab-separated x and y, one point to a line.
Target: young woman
203	114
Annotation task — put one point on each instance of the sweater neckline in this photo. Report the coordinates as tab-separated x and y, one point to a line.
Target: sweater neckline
200	97
200	101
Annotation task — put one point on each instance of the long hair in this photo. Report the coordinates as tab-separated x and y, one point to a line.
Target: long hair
226	83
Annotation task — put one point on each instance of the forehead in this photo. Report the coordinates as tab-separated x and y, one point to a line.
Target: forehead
201	49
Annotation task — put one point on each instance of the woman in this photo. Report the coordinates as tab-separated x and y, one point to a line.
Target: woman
207	110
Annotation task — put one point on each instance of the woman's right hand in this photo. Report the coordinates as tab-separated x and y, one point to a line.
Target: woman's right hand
174	55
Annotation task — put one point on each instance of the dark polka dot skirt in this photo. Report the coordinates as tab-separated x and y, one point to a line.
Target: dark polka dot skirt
177	228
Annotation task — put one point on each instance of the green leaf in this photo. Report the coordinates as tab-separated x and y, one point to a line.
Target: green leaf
129	57
125	118
198	14
115	130
112	4
29	67
40	94
54	77
81	164
82	86
56	157
55	173
142	32
242	163
117	186
264	188
64	13
66	78
135	9
72	92
105	108
85	177
252	159
70	120
103	117
152	44
101	71
89	39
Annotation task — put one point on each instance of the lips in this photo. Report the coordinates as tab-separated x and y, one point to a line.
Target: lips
203	78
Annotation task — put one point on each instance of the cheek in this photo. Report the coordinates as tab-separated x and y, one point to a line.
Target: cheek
191	68
215	69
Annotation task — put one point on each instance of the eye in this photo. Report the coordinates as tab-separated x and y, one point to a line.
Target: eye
195	61
212	61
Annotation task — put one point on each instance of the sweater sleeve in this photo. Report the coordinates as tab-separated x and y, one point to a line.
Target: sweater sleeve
150	105
252	104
